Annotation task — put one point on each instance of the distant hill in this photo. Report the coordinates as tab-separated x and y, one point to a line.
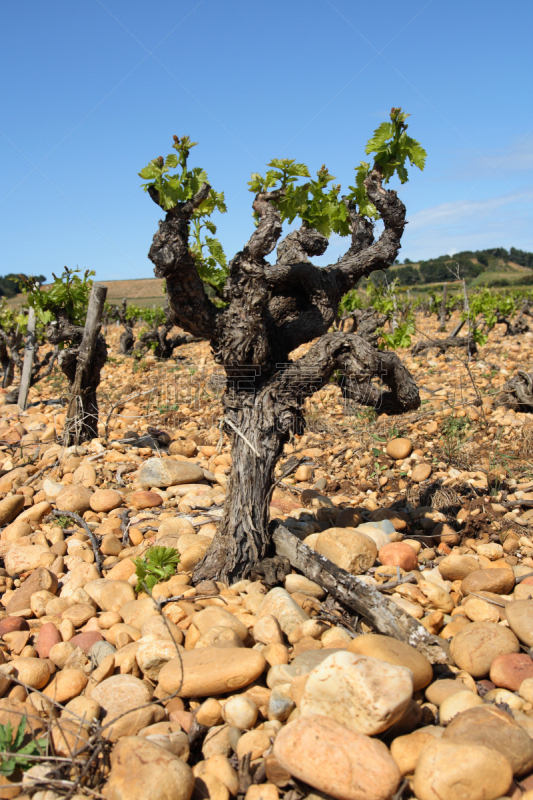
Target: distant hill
492	267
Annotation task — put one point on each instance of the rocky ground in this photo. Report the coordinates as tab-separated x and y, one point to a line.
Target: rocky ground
261	692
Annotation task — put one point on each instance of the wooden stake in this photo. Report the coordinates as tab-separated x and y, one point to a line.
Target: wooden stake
29	355
366	600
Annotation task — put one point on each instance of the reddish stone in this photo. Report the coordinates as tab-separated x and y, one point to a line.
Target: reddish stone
86	640
185	719
145	499
509	670
399	554
48	636
528	581
10	624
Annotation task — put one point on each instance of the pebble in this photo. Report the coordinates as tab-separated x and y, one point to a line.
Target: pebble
399	554
47	637
86	640
74	498
349	549
145	499
67	684
455	567
210	670
497	580
240	712
519	615
509	671
106	500
10	507
476	646
395	652
140	770
456	703
279	604
152	656
163	472
405	750
421	473
333	759
399	448
35	672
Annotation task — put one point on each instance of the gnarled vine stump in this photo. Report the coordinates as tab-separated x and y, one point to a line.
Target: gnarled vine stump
270	311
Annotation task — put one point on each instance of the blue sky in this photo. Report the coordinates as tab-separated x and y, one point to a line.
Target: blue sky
92	90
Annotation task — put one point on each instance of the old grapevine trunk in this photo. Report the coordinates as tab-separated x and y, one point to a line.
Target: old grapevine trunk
272	310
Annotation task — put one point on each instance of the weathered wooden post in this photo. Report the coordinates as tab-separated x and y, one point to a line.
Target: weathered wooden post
29	355
442	316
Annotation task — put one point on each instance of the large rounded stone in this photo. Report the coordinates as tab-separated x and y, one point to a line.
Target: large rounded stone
21	559
333	759
508	671
10	507
75	498
211	670
456	567
347	548
141	770
449	770
106	500
362	693
476	646
492	727
163	472
399	448
498	580
519	615
395	652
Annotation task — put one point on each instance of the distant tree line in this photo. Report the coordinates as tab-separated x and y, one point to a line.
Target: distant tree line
10	284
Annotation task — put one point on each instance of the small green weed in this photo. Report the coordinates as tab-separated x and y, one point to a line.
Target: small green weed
63	522
454	431
17	751
158	564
